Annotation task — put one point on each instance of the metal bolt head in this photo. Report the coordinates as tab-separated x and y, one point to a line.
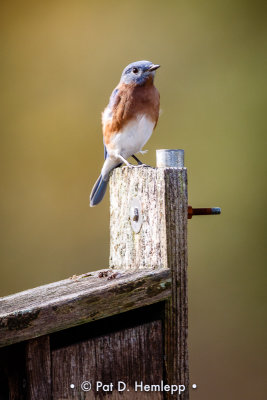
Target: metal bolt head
135	214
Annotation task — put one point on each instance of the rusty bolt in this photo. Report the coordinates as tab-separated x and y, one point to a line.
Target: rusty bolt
203	211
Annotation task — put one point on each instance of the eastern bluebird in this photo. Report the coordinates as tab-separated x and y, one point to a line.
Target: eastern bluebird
128	120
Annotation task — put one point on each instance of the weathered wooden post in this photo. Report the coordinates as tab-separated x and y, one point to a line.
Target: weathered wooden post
148	228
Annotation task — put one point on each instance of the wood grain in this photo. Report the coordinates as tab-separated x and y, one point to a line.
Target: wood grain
71	302
38	365
13	378
121	353
176	321
148	248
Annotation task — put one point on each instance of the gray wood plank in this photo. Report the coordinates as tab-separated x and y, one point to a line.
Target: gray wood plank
176	322
128	355
38	366
13	382
84	298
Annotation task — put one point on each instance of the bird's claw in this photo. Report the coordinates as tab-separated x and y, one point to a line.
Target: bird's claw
135	166
141	165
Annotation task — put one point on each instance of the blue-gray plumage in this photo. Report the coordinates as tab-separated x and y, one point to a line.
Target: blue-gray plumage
128	120
138	72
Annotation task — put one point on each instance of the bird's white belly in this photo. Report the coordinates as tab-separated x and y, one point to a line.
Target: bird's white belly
132	137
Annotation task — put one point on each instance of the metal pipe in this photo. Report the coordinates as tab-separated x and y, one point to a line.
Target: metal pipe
170	158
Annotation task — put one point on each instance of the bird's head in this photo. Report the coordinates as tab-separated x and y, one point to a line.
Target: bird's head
139	72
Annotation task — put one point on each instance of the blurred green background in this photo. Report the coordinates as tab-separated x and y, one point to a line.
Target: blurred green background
60	60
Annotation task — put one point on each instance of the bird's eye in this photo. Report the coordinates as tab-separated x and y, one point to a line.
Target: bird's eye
135	70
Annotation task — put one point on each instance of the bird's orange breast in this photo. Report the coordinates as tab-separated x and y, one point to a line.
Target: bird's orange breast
131	101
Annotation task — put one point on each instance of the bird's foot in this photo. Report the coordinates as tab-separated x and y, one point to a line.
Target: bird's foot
135	166
137	160
128	165
124	160
141	165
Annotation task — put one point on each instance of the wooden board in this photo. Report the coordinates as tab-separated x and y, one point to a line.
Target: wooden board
126	349
13	376
38	367
71	302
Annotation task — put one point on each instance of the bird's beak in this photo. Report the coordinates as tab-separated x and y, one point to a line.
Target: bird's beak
153	67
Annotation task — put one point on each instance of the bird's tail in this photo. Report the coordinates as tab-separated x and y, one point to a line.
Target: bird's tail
98	191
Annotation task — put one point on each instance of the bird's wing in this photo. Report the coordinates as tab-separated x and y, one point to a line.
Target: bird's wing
118	110
114	97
